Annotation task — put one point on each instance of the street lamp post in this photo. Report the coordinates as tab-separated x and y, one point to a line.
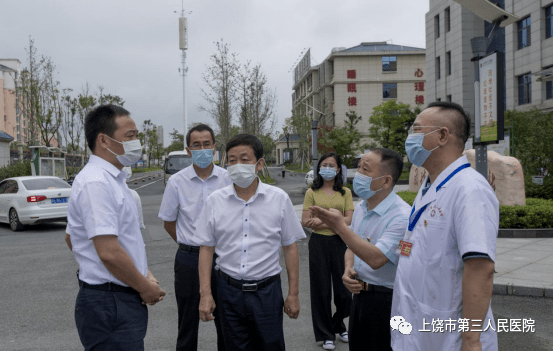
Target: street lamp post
314	129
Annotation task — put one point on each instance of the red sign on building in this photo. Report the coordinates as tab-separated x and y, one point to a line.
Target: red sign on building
419	86
352	101
419	99
352	88
351	74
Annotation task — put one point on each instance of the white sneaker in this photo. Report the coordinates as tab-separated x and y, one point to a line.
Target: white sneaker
344	337
328	345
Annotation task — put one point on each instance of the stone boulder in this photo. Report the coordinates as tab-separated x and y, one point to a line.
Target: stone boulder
504	175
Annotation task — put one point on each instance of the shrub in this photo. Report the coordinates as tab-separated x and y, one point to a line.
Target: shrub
544	191
17	169
408	196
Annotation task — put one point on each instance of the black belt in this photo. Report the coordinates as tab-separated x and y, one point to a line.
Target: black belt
189	248
108	287
374	288
248	285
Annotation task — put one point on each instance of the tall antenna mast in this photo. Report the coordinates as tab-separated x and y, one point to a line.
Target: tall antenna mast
183	45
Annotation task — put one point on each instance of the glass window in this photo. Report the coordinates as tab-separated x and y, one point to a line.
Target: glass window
448	98
389	90
524	33
437	26
45	183
176	163
438	76
11	187
389	63
447	19
548	21
524	89
549	89
448	62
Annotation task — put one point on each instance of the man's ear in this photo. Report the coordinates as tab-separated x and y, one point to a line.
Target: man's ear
260	164
445	136
188	151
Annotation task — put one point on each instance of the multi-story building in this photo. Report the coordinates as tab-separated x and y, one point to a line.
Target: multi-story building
527	44
358	79
159	132
9	121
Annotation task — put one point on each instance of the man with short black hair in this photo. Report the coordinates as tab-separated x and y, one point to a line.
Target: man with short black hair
445	271
246	224
377	226
103	219
182	202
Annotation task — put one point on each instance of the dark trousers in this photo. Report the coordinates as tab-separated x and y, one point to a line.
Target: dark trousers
251	320
369	321
187	292
326	267
108	320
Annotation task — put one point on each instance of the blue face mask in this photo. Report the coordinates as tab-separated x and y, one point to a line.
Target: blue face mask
202	158
415	151
362	186
328	173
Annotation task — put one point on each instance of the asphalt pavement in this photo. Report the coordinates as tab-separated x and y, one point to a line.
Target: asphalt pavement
39	288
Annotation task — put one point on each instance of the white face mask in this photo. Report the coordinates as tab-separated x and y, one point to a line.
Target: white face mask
133	152
242	175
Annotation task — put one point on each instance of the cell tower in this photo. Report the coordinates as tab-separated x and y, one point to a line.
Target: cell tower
183	45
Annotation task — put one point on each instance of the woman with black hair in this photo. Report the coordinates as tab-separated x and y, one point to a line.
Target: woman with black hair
326	252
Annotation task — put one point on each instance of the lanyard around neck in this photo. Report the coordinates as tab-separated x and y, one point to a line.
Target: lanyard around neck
413	222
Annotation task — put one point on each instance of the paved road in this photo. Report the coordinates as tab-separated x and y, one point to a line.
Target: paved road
39	289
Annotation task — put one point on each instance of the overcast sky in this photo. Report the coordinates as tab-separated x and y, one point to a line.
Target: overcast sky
131	47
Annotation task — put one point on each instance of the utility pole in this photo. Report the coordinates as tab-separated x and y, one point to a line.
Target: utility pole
314	130
183	45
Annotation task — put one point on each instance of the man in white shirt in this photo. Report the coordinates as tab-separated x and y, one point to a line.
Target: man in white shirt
115	282
445	270
246	223
377	226
182	202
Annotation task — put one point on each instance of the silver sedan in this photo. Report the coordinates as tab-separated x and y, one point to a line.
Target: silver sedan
33	200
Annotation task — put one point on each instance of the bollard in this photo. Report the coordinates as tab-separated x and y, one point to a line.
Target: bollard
154	176
143	179
135	181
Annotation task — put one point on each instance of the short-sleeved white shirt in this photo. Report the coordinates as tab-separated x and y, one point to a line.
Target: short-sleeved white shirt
385	227
462	217
102	204
184	197
247	235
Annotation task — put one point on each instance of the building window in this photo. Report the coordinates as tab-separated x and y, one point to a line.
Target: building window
448	63
389	90
331	67
549	89
389	63
549	21
437	26
438	76
524	89
352	88
439	99
447	19
524	35
351	74
448	98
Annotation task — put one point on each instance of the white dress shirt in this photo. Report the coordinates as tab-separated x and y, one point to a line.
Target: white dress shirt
184	197
247	235
462	217
102	204
385	226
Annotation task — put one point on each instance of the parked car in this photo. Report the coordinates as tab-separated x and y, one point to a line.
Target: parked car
176	161
309	178
33	200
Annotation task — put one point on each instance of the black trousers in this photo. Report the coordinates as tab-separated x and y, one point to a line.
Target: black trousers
108	320
326	267
251	320
369	321
187	292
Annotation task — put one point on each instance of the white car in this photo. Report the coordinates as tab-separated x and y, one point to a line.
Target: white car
309	178
33	200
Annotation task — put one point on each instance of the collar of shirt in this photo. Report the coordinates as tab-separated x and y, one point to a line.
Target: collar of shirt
261	189
382	207
445	173
100	162
191	173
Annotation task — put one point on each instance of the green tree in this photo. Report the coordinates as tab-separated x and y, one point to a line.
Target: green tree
300	124
345	140
532	139
177	142
390	123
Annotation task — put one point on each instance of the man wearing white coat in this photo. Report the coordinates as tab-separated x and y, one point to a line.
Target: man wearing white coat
444	278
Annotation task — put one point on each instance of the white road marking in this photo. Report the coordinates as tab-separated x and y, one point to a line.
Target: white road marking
155	181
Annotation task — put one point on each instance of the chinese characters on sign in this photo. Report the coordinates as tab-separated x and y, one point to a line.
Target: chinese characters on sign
419	73
352	101
352	88
351	74
524	325
488	98
419	86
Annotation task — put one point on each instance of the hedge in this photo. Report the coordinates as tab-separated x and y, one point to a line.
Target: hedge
17	169
544	191
538	213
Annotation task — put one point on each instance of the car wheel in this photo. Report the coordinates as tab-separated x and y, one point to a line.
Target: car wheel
15	224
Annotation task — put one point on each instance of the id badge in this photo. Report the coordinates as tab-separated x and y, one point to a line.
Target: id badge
405	247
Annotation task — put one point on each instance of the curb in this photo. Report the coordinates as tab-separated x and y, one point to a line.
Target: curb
517	290
526	233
